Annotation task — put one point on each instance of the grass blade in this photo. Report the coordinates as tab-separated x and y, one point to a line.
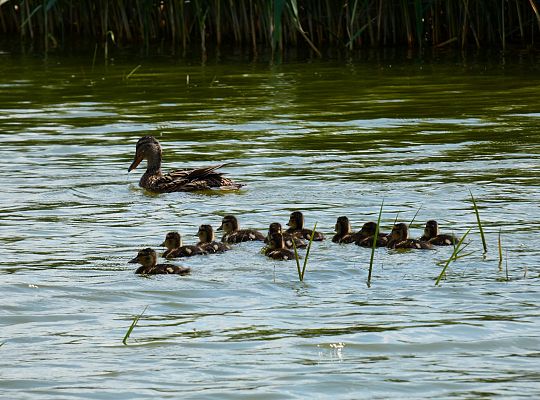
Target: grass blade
479	223
500	249
135	320
374	245
452	257
297	258
413	218
133	71
307	251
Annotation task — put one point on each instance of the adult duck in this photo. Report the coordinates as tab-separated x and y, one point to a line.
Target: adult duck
182	180
148	260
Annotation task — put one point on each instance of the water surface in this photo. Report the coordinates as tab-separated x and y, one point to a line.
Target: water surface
330	138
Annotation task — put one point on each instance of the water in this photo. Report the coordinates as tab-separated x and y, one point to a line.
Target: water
329	138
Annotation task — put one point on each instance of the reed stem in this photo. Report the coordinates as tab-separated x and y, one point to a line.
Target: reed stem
135	320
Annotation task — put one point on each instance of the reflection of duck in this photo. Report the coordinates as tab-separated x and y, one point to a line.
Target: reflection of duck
176	181
275	227
207	241
276	248
148	259
399	239
432	235
233	233
367	235
175	247
344	232
296	227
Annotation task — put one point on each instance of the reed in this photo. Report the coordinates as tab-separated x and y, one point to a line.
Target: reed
453	257
135	320
500	249
414	217
297	258
479	222
307	252
374	245
277	24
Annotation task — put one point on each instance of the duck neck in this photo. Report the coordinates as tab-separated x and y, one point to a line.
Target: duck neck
154	163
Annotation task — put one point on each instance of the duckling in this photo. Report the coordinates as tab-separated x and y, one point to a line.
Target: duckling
344	232
175	247
367	235
207	241
432	235
275	227
399	239
233	233
276	248
148	259
184	180
296	227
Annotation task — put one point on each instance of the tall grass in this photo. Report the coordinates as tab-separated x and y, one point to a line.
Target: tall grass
479	222
132	326
301	272
374	245
453	257
276	24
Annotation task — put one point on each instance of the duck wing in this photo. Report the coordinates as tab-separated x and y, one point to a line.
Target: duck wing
187	180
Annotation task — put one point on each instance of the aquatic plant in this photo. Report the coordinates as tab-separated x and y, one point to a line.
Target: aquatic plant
302	271
453	257
276	24
479	223
374	246
135	320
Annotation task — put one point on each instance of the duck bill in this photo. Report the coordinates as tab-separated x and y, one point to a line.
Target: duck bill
135	162
220	228
134	261
163	244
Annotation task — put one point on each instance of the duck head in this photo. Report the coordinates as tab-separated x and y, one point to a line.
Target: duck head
296	220
229	224
432	229
147	148
206	234
275	227
369	229
146	257
343	226
399	232
172	241
276	241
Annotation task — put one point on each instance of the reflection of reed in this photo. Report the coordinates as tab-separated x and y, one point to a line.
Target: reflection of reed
276	24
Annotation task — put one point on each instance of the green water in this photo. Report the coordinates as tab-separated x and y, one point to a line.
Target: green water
330	138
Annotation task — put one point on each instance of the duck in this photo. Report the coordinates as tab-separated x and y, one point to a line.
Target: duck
288	239
399	239
184	180
207	240
344	232
296	228
366	236
276	248
432	235
175	247
233	233
148	260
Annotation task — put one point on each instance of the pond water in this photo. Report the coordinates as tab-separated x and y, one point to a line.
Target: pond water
329	138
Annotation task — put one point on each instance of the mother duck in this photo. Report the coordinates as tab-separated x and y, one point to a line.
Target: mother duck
182	180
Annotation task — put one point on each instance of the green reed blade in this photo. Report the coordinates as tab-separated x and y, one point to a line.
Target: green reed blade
297	258
452	257
479	223
133	71
307	251
500	248
374	245
414	217
135	320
